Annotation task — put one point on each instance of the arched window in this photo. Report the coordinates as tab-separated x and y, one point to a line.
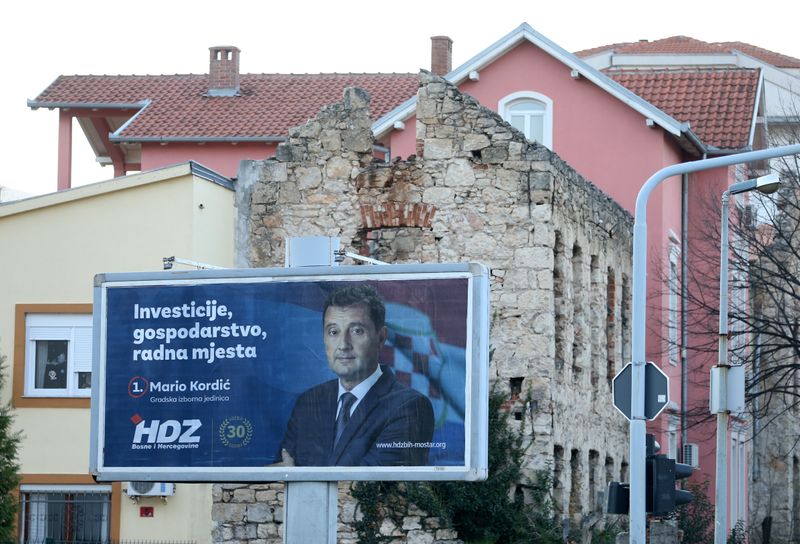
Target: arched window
531	113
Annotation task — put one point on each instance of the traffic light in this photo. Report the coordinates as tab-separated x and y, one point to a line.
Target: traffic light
619	498
662	473
661	496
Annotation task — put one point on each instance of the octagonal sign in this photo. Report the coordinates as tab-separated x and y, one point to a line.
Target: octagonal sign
656	390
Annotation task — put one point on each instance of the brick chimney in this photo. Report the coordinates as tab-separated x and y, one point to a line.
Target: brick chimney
223	72
441	55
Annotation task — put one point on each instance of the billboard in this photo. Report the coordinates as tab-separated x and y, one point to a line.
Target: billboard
323	373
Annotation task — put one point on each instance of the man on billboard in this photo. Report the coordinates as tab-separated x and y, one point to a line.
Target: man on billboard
365	417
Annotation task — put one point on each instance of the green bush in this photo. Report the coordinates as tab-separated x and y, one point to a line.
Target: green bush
696	519
9	477
481	512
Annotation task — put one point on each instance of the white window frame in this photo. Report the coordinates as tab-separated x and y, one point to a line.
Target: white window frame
76	329
738	468
672	438
738	303
547	118
673	309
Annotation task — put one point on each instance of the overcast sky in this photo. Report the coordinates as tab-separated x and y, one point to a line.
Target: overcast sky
44	39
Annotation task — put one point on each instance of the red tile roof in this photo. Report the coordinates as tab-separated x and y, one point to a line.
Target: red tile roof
676	45
764	55
719	103
682	45
611	48
268	105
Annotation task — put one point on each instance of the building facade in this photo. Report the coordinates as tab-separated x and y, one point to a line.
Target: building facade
558	250
54	245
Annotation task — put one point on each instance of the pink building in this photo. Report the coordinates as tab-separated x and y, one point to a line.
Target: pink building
616	119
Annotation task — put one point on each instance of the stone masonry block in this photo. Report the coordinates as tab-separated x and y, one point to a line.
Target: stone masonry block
438	149
459	174
274	171
494	154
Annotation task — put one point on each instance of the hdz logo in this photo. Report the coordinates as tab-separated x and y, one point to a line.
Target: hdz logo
167	434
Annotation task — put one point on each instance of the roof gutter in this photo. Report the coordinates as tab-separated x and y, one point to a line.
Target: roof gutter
686	130
711	150
756	105
196	139
208	174
386	122
33	104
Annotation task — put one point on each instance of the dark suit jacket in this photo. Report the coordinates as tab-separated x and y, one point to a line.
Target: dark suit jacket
390	414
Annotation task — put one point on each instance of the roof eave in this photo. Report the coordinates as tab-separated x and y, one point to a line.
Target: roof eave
34	104
195	139
400	113
756	104
714	150
210	175
689	141
525	32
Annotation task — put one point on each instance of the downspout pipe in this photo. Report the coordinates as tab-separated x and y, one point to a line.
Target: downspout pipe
638	516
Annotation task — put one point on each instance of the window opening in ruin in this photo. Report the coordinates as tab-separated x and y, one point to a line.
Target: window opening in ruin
559	304
579	314
515	384
575	483
611	345
558	486
609	470
625	318
623	471
594	462
594	361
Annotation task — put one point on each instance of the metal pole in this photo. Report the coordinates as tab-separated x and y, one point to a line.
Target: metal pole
311	508
721	481
684	312
638	516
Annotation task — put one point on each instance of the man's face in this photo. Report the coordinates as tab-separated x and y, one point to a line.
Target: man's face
352	343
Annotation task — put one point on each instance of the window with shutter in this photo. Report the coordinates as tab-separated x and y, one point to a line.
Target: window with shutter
58	355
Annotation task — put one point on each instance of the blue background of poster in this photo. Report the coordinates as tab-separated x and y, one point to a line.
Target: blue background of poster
427	321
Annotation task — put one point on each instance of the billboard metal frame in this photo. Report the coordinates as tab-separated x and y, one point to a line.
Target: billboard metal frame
475	465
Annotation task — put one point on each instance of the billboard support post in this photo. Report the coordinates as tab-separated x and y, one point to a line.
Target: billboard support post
317	501
311	512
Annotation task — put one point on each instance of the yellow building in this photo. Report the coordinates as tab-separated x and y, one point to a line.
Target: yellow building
52	247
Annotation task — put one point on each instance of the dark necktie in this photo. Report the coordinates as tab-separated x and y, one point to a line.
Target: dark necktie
347	400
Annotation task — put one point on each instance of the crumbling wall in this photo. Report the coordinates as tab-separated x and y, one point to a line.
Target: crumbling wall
559	251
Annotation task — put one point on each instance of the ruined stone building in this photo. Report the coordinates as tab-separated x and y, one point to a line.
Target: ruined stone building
775	475
559	251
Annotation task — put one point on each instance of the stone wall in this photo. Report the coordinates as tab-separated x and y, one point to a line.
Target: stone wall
774	485
559	251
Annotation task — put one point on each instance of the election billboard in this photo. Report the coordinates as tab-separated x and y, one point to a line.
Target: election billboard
315	374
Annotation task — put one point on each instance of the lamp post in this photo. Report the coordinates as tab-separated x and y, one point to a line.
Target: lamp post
637	517
766	185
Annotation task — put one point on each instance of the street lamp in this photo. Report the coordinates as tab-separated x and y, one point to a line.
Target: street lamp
637	517
766	185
